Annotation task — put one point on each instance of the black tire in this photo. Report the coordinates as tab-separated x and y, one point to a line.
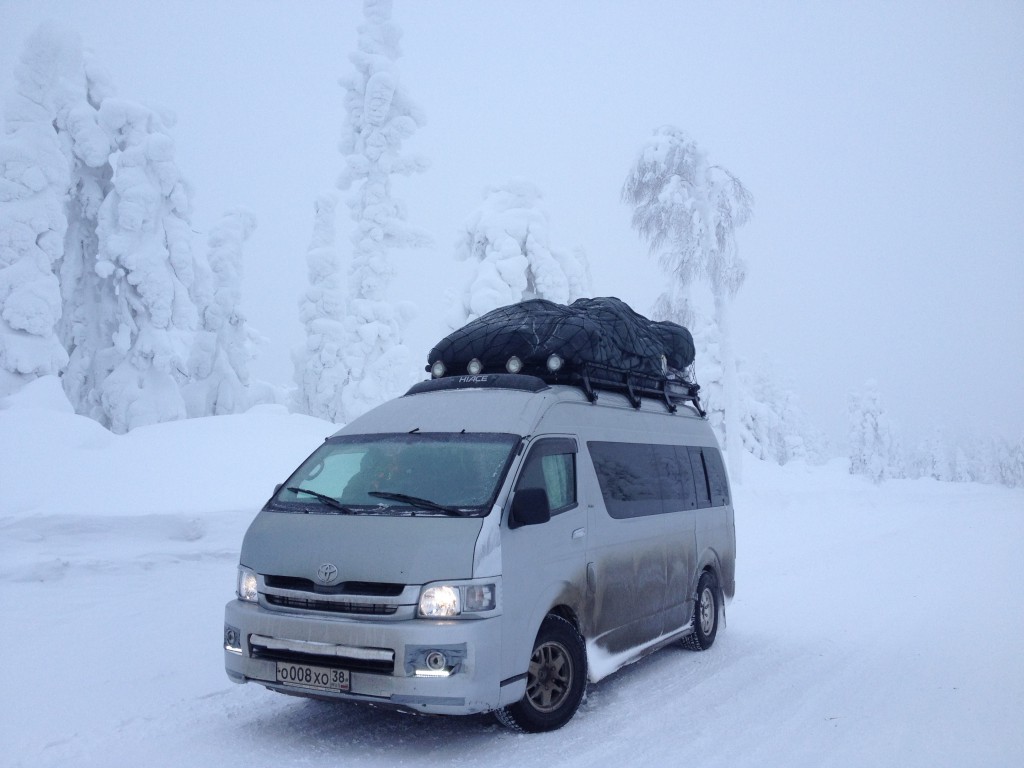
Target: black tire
555	682
706	609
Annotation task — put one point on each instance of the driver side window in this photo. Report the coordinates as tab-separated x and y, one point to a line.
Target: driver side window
551	465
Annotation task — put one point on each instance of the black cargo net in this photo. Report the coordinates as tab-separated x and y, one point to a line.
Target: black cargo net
601	344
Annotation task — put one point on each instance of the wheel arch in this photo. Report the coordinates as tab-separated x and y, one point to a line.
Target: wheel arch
709	562
565	612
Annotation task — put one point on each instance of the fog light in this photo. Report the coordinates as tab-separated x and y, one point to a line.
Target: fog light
554	363
514	365
437	370
474	367
435	661
438	661
232	639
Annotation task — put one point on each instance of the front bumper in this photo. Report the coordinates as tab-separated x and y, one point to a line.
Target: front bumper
382	656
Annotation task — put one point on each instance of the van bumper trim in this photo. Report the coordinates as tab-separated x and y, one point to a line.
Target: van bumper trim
510	680
322	649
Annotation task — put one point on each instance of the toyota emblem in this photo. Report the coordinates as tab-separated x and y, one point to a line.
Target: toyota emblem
327	573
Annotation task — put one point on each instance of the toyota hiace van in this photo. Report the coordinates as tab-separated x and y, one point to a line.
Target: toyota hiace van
487	542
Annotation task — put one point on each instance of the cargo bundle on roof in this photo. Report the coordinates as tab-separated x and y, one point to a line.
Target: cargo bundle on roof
597	344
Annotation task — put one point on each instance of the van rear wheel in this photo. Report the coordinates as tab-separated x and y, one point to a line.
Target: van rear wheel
705	614
555	681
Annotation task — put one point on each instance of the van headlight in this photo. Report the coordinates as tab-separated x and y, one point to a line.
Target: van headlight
446	601
247	587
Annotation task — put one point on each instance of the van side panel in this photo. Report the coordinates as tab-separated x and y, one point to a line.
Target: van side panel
716	529
643	565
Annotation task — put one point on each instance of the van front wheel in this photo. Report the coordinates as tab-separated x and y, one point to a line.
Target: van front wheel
555	681
705	615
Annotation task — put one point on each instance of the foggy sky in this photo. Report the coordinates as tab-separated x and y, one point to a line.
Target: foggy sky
882	145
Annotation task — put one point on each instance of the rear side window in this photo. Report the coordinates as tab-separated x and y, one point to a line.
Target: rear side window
676	476
700	479
628	475
551	465
717	482
638	479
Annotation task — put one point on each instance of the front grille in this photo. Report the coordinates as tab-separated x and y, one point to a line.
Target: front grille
332	606
372	589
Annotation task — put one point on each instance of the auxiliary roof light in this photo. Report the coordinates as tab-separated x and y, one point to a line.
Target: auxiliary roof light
474	367
514	365
554	363
437	370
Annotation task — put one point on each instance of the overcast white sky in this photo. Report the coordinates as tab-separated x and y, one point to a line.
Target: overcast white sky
882	142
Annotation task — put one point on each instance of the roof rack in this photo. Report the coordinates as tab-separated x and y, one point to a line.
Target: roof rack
673	389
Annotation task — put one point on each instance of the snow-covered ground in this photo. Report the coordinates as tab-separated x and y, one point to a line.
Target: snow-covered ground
873	625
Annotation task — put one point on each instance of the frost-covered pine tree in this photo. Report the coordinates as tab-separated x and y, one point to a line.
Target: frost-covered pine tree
34	184
321	367
1010	463
506	238
88	318
936	455
874	445
145	252
688	211
379	116
224	345
774	427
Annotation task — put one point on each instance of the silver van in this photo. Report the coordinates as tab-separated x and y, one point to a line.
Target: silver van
486	543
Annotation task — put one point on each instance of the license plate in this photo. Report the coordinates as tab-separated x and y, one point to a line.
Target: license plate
308	676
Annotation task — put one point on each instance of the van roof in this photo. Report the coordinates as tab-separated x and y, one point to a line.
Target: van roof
489	403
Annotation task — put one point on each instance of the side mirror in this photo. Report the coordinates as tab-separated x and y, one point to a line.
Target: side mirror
277	489
530	506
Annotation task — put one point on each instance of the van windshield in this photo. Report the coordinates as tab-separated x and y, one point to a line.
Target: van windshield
418	473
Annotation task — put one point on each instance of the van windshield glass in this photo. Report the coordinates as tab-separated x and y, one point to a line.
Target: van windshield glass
419	473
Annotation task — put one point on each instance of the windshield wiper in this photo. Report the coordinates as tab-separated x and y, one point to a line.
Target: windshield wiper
417	501
323	497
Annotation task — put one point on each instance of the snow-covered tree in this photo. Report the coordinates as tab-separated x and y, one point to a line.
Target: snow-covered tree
1010	463
34	183
88	318
774	426
933	457
379	116
968	458
321	370
688	211
90	195
145	252
507	239
874	444
224	345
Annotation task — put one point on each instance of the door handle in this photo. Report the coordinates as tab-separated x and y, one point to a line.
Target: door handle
579	533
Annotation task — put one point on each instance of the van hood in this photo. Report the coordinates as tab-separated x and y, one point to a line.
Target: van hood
367	548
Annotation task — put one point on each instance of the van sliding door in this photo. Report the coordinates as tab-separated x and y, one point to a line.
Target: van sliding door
643	552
